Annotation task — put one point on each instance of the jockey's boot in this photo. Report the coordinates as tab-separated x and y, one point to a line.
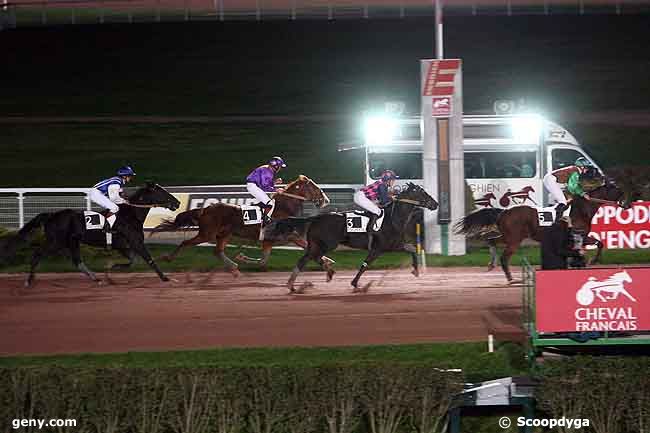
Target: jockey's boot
371	222
109	220
264	210
559	210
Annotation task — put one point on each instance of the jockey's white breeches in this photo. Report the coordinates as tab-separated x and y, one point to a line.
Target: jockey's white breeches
550	183
96	196
361	200
257	192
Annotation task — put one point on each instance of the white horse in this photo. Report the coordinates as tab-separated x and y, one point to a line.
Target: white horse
613	286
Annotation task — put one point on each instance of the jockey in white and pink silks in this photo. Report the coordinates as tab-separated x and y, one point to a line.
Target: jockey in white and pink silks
261	181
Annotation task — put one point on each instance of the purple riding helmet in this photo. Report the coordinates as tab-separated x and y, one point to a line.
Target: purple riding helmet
276	162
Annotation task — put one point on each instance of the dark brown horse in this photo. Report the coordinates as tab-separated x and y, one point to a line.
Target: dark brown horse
220	221
522	222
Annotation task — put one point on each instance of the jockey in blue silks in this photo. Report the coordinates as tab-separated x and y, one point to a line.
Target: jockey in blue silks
107	192
261	181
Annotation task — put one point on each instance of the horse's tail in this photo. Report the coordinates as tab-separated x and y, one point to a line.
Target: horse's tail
183	220
9	244
34	224
478	222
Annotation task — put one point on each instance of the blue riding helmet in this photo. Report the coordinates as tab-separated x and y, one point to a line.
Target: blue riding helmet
583	162
277	162
125	171
387	175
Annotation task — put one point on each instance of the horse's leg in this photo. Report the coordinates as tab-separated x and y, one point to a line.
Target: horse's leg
412	250
505	259
41	252
129	254
138	246
326	261
372	255
266	253
220	251
296	270
198	239
492	245
589	240
75	254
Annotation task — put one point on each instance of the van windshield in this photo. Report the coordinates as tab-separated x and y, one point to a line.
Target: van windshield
478	165
406	165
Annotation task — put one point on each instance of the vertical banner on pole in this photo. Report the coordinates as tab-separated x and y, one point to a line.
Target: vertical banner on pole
442	153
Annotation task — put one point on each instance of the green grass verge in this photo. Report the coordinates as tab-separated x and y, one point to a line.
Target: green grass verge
472	358
201	259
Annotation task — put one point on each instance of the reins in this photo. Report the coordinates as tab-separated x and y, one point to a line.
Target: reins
288	194
601	201
409	201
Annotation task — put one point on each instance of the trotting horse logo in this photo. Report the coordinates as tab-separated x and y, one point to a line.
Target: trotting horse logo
606	290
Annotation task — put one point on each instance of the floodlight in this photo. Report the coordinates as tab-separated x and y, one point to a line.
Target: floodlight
380	130
526	129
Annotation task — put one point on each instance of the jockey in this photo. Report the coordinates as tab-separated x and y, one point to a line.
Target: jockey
261	181
571	177
376	192
107	192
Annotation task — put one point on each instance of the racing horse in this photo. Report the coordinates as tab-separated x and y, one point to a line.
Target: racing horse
218	222
66	230
522	222
326	231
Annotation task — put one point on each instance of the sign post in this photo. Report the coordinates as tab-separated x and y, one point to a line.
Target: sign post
442	156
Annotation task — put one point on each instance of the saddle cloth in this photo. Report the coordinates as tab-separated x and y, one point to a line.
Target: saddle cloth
251	214
546	215
97	221
357	222
94	220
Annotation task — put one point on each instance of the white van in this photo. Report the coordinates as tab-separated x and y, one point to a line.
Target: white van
506	156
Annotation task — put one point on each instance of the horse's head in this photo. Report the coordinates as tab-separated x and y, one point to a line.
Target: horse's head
623	276
154	194
307	188
611	192
417	194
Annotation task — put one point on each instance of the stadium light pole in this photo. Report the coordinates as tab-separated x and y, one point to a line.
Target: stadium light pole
438	32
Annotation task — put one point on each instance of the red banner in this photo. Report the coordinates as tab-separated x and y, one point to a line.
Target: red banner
611	299
623	228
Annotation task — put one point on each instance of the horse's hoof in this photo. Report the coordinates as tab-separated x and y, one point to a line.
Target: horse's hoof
165	279
491	267
330	275
304	286
235	273
416	273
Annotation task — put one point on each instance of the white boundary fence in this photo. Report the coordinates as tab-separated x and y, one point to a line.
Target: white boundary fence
19	205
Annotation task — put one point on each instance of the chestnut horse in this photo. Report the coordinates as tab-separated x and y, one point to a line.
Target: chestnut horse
219	222
521	222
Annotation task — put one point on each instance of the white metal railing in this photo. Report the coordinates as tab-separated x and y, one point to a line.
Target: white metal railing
19	205
21	194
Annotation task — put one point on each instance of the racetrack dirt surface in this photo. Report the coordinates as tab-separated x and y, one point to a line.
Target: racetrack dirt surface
67	313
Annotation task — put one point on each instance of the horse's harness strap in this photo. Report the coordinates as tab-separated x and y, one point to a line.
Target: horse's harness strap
146	206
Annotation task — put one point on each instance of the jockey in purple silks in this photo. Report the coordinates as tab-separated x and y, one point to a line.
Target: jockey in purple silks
261	181
376	192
